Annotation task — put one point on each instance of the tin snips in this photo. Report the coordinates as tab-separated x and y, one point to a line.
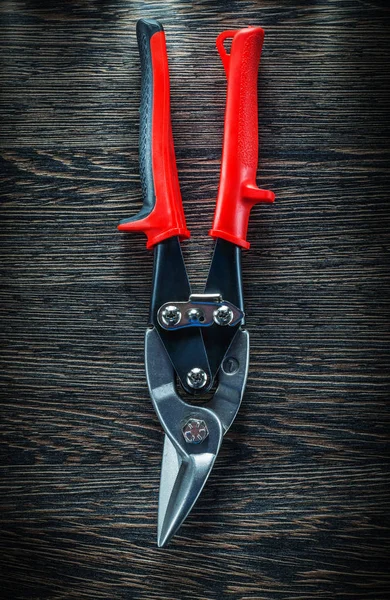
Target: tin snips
195	342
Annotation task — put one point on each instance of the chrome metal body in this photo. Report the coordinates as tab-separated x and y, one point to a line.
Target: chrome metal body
186	467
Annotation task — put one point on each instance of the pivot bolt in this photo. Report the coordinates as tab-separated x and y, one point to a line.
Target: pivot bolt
223	315
196	378
171	315
195	431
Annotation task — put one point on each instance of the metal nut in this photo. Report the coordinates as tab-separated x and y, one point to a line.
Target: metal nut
171	315
196	378
195	431
223	315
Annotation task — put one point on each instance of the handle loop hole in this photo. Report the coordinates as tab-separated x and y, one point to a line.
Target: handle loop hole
224	48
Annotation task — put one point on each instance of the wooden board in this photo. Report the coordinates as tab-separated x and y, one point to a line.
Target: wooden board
297	506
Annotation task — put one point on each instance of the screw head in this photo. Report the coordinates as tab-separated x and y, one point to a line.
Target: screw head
171	315
196	378
195	431
194	314
223	315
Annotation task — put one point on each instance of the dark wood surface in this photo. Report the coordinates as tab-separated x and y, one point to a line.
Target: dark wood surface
297	506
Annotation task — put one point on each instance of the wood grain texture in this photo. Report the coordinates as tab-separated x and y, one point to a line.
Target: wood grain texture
297	506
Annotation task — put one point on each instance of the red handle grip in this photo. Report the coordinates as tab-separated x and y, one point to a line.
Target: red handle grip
238	191
162	214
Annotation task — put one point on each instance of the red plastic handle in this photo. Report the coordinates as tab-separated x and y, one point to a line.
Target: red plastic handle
162	215
238	191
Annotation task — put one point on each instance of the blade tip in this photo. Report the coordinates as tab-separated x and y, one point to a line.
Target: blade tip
163	539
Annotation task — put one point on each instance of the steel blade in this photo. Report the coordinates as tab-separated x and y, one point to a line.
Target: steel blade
182	480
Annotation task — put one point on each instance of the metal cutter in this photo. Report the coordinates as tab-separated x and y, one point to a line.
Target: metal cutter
195	342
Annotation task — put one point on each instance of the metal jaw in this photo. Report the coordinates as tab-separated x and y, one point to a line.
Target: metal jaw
186	466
